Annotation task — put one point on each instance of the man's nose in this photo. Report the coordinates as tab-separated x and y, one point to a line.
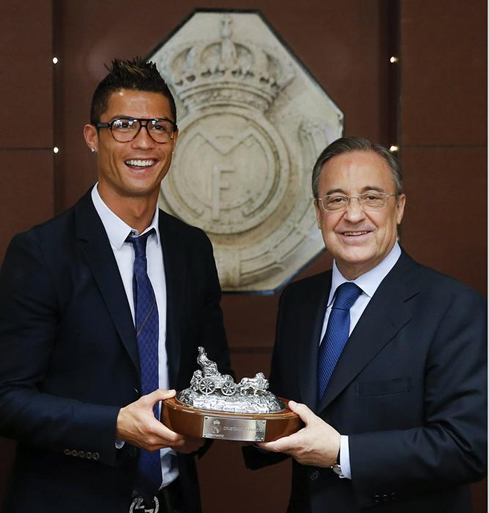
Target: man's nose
354	211
143	139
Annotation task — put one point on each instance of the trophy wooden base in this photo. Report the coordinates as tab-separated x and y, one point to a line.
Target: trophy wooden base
245	427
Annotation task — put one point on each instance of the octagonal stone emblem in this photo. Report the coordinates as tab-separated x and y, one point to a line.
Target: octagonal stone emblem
252	122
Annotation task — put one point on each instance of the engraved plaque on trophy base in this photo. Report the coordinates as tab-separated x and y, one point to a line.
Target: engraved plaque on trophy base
214	406
246	427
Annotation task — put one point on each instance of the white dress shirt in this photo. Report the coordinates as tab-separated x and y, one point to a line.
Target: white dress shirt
117	232
368	283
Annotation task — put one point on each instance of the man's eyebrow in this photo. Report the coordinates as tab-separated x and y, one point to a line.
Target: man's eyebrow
364	189
372	188
335	191
124	116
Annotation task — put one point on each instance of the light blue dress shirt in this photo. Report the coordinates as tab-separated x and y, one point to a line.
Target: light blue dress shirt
117	232
368	283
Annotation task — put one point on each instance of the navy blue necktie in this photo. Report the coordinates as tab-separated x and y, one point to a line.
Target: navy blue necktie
149	477
336	335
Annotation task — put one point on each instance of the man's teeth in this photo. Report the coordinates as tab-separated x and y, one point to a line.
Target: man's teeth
139	163
355	233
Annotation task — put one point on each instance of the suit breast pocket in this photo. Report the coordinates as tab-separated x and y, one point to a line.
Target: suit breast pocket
383	387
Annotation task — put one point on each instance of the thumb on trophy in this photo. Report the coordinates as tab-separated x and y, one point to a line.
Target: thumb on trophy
305	414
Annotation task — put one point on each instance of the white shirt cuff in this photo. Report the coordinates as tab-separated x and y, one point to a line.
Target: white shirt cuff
345	457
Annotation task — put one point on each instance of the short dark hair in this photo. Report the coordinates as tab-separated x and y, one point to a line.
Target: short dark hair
136	74
350	144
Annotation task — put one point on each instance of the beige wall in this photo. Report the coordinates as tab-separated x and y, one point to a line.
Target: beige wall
432	103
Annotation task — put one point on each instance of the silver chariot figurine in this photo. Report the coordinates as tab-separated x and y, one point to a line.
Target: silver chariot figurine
211	390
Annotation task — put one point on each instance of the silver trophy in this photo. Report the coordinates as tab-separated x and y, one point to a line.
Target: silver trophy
214	406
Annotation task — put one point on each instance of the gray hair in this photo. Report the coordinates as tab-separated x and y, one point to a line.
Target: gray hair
348	145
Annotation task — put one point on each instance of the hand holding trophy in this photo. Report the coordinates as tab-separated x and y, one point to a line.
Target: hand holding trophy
216	407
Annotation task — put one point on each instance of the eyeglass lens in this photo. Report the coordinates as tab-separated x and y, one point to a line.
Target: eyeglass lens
370	201
125	130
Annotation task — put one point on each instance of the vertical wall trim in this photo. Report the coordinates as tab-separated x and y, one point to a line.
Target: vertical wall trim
394	73
57	95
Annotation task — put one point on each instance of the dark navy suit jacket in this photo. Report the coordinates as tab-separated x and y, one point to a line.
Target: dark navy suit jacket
69	357
409	390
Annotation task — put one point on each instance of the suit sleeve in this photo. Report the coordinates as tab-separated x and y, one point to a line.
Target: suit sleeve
449	449
29	316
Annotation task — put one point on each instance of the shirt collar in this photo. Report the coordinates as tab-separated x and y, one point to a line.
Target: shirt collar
117	230
370	281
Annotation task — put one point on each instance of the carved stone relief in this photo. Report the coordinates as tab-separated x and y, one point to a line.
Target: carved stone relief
252	122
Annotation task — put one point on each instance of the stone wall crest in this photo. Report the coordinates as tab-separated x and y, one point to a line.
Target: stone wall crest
252	122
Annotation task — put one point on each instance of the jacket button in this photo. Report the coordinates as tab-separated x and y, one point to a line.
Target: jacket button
67	452
88	455
314	475
74	453
376	498
136	391
95	456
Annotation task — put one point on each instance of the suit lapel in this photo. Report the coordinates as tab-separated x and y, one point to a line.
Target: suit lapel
385	315
175	276
311	313
101	261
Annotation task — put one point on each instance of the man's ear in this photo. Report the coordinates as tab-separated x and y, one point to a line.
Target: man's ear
318	212
400	208
174	139
91	137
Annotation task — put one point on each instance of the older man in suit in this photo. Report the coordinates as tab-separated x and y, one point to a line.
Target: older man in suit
387	357
102	310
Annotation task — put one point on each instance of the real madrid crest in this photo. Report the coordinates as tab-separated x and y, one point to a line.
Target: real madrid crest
252	122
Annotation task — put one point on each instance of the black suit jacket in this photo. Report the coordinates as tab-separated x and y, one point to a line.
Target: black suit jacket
69	358
409	390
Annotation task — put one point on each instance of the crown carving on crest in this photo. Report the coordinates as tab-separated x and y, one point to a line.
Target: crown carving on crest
227	71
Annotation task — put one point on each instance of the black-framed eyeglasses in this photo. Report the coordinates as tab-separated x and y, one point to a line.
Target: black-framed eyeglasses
370	201
161	130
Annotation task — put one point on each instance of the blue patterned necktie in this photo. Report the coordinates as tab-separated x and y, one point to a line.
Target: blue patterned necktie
336	335
149	477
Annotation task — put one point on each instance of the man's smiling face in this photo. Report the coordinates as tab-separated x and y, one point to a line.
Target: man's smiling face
358	240
135	168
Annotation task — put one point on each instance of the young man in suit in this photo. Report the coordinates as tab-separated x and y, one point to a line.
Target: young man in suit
102	310
386	357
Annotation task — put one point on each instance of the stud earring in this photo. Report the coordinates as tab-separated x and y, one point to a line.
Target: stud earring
92	150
